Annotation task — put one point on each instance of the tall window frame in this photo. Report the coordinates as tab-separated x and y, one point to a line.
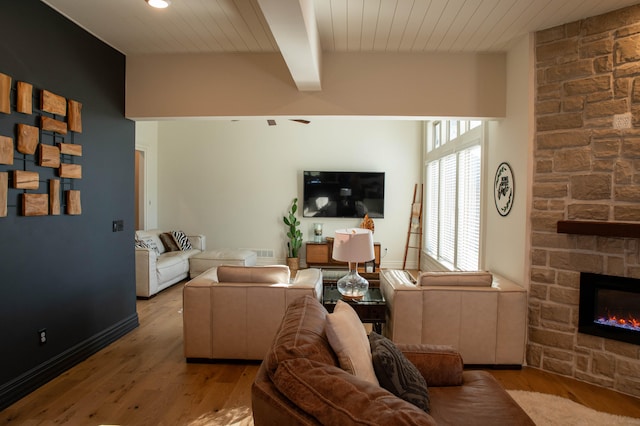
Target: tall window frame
453	195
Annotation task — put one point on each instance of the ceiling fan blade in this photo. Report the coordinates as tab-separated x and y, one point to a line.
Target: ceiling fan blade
300	120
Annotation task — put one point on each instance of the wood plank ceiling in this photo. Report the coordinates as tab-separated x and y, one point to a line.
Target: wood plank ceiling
302	29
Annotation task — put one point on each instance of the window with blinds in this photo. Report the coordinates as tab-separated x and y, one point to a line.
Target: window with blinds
453	185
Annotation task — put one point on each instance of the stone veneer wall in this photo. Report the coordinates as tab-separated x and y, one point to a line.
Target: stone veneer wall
584	169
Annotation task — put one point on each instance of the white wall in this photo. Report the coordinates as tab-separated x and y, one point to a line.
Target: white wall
506	249
233	181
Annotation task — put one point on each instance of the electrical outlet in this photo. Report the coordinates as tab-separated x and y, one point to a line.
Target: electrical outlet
42	336
622	121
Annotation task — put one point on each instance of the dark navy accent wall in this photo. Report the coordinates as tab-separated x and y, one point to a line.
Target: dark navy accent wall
69	274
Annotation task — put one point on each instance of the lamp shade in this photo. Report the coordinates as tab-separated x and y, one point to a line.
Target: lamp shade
353	245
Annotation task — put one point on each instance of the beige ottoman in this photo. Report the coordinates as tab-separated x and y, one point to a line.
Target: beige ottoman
210	258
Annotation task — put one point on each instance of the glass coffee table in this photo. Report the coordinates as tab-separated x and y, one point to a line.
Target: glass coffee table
372	308
330	276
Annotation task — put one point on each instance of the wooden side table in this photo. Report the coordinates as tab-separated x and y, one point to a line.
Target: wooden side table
372	308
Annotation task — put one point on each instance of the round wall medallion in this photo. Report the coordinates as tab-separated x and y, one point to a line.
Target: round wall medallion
504	189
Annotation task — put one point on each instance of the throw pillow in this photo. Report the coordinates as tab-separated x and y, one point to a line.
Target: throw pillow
182	240
141	244
335	397
348	340
396	373
458	278
168	242
150	243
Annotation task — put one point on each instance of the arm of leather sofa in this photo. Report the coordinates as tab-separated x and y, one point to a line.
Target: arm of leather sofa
305	280
146	276
198	241
404	307
440	365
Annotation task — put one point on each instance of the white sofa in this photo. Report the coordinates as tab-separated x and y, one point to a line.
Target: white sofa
234	312
156	271
481	315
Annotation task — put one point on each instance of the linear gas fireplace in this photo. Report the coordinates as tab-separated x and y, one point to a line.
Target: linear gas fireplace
610	307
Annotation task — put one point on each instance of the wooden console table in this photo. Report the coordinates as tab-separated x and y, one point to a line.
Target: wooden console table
319	256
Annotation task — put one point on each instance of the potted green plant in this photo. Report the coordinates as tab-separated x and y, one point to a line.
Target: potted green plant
294	235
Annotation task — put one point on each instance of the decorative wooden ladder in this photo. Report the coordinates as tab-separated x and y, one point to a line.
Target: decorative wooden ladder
415	226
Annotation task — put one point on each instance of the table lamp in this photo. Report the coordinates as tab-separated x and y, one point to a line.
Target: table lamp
353	245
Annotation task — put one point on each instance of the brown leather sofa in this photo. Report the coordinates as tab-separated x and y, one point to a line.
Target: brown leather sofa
300	383
233	312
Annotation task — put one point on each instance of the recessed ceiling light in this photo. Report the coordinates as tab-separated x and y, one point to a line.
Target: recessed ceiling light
159	4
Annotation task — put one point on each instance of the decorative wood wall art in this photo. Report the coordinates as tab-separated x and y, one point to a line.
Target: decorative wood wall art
53	125
4	189
45	136
49	156
26	180
5	94
54	197
73	202
75	116
71	171
70	149
24	100
50	102
6	150
35	204
28	138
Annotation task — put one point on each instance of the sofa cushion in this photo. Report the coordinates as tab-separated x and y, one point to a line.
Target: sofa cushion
349	341
171	258
336	397
396	373
181	240
254	274
460	278
168	242
301	334
440	365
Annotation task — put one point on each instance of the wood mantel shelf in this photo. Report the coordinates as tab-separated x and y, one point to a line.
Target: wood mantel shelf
602	229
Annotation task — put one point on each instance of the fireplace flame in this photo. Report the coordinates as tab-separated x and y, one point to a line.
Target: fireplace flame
629	322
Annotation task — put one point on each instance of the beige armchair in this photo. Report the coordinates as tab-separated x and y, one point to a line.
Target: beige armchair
233	312
481	315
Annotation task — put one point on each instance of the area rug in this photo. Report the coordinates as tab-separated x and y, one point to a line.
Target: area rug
552	410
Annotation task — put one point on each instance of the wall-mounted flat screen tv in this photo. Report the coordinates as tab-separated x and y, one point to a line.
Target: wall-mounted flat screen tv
343	194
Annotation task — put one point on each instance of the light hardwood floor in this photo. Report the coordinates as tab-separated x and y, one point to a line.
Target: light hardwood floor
143	379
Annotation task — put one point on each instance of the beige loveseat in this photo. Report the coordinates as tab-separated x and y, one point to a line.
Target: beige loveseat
481	315
233	312
156	267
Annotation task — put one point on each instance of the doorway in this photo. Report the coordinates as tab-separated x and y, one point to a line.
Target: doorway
139	190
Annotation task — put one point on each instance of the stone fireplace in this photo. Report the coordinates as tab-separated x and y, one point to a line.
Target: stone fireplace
586	171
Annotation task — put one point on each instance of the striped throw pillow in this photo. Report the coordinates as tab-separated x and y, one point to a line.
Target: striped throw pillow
182	240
